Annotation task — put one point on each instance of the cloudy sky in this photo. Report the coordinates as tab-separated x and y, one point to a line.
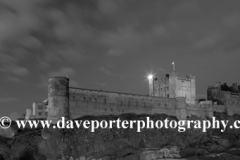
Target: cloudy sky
113	45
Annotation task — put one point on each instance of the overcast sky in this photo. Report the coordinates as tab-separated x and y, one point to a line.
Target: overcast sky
113	45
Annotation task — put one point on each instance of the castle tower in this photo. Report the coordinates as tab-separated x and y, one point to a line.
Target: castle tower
58	98
173	86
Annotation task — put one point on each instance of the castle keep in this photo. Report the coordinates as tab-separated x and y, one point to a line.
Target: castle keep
172	95
173	86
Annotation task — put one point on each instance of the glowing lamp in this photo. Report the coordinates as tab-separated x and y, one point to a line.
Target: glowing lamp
150	76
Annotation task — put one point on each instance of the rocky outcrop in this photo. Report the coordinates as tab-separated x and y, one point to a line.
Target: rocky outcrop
166	152
121	144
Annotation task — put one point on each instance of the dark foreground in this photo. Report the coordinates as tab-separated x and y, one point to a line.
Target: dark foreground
122	144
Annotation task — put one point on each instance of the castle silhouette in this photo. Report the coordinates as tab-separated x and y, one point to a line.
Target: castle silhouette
172	95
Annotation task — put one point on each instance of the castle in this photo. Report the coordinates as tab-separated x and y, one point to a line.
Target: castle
172	95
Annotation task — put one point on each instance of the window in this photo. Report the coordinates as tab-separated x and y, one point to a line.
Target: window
39	113
167	95
40	107
84	98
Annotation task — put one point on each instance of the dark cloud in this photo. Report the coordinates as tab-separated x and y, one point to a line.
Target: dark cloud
114	43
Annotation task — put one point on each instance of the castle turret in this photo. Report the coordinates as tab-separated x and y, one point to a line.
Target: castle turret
58	98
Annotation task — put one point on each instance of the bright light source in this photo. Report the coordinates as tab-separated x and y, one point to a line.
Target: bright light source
150	76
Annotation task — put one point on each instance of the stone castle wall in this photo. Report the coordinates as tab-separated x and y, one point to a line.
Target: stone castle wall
200	110
77	102
93	102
